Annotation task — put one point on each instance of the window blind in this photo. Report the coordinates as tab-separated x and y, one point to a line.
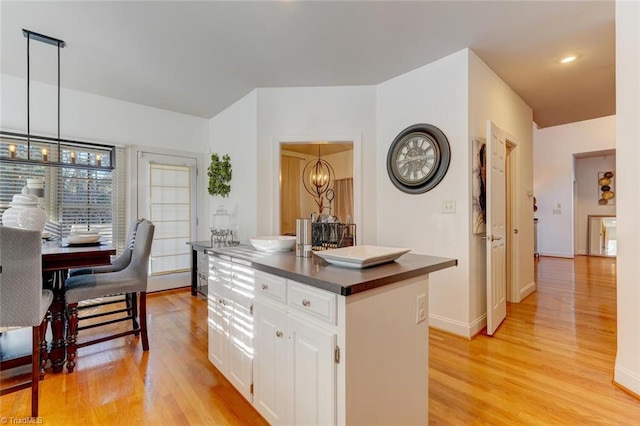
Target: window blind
75	199
170	211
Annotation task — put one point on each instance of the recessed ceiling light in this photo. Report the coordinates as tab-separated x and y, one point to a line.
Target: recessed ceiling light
568	59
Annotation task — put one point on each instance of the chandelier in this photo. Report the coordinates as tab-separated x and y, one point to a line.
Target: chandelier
317	177
19	148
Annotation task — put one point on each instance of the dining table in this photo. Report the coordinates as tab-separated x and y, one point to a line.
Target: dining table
57	258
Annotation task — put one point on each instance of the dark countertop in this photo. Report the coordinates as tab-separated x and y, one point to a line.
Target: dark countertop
316	272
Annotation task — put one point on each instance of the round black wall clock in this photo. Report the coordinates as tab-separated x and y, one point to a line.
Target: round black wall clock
418	158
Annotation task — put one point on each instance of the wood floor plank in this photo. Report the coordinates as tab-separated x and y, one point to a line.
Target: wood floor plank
550	363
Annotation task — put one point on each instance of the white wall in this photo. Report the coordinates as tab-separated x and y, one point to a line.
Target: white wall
313	114
627	368
553	156
93	118
234	132
84	116
490	98
436	94
588	193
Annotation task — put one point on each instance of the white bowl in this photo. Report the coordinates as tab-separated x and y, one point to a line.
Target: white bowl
84	238
273	243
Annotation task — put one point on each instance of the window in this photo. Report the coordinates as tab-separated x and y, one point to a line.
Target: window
166	195
74	198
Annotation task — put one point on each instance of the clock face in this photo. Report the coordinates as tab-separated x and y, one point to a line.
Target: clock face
418	158
415	158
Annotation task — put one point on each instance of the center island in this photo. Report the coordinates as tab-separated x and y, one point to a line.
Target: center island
308	342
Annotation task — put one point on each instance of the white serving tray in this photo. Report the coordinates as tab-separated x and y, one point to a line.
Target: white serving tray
84	238
361	256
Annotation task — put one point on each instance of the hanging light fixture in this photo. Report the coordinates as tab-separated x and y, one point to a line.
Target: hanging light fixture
41	150
317	177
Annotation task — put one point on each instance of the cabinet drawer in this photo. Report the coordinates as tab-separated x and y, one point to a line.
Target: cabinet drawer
270	286
319	303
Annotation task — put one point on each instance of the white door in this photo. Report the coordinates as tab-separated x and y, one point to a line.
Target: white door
240	363
271	347
496	227
167	197
314	374
219	324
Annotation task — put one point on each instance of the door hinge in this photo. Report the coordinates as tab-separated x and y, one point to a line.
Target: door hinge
251	389
251	310
337	354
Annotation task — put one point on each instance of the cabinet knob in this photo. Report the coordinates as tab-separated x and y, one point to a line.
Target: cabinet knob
278	333
306	303
265	287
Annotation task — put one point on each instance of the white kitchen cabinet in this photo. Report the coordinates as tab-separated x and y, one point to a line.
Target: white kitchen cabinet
230	301
295	363
339	346
270	373
219	317
313	365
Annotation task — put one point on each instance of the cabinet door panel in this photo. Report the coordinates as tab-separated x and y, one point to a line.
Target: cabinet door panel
218	323
269	374
314	374
241	349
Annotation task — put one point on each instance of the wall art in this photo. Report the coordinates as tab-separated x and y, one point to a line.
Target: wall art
606	191
479	180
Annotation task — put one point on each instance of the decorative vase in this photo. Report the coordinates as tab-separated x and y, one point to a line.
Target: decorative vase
25	212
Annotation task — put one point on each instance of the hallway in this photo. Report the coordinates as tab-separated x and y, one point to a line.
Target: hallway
550	362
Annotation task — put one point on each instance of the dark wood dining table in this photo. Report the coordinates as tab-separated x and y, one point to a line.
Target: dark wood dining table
57	259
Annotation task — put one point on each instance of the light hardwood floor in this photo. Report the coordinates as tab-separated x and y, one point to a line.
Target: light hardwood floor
551	362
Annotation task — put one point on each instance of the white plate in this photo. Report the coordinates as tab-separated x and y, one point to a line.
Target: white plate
361	256
83	238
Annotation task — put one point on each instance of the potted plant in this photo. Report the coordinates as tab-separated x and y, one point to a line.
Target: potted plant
219	173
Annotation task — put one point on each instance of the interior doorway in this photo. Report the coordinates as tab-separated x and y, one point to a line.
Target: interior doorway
594	194
297	161
344	153
512	236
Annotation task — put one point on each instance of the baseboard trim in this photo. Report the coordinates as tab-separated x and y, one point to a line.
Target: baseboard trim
457	327
527	290
627	380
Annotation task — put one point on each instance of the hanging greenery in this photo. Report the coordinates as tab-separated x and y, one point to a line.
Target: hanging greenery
219	175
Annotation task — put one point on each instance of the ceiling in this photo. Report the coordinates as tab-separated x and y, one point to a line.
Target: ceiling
198	58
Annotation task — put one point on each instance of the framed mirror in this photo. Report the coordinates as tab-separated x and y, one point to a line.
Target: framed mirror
602	235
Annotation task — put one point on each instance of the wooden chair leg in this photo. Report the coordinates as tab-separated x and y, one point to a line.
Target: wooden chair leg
143	320
132	297
35	371
72	335
44	354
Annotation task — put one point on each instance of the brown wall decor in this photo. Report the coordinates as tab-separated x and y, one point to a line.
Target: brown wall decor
606	188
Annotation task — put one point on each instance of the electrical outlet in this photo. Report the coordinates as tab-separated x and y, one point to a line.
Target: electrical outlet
421	308
557	211
449	206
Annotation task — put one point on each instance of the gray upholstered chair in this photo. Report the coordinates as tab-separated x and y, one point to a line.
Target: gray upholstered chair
23	302
117	264
129	281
